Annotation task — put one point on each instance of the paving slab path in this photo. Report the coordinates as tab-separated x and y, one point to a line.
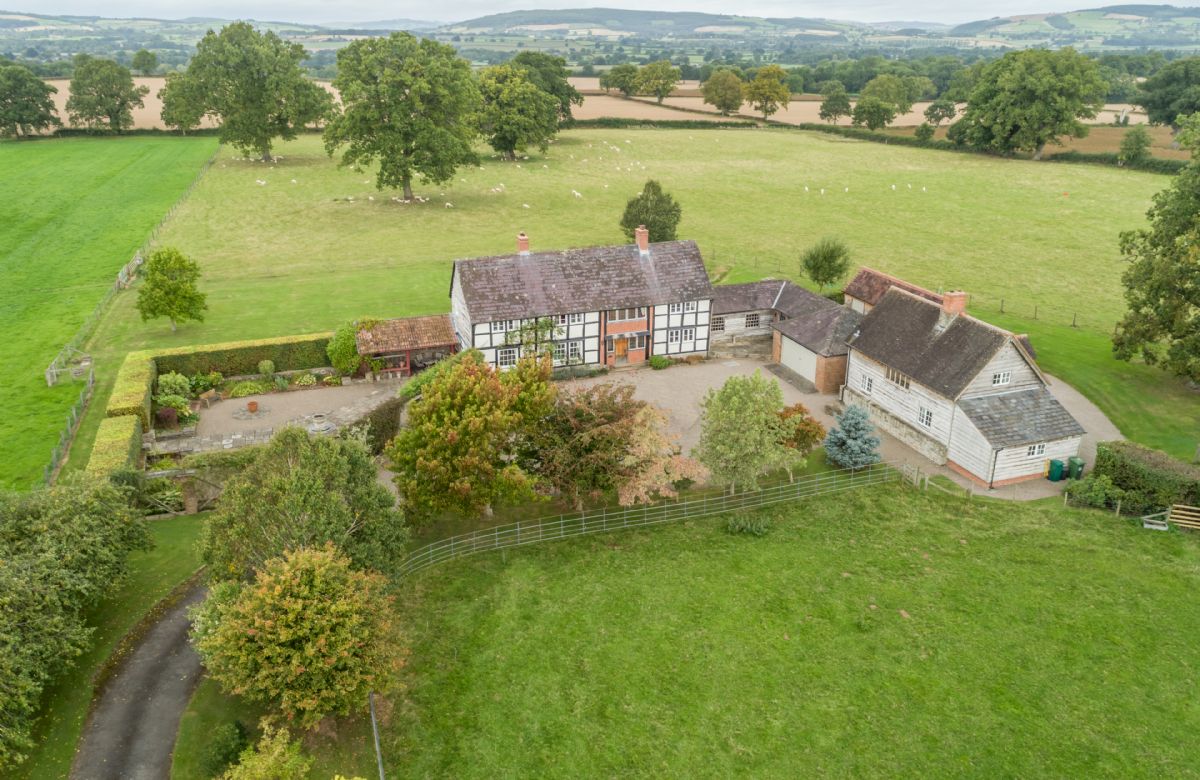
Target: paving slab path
130	732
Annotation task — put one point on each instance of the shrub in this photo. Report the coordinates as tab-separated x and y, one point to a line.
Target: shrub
1149	164
659	362
202	383
332	381
280	382
924	132
118	445
174	384
413	387
176	402
343	349
225	744
168	417
748	523
310	635
1095	490
275	757
383	423
266	367
305	380
249	387
1152	480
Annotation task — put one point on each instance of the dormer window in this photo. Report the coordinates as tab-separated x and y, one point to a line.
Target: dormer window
1001	378
896	378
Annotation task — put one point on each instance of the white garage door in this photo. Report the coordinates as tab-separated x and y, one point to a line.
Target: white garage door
798	359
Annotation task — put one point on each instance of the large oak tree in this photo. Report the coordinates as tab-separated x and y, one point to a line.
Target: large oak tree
25	103
103	94
252	84
549	74
408	105
516	112
1028	99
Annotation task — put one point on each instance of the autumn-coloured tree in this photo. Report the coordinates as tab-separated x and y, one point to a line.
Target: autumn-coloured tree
603	439
801	432
458	451
310	635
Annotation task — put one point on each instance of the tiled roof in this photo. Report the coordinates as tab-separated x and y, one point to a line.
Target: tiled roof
751	296
578	280
870	286
823	331
908	333
1022	417
395	336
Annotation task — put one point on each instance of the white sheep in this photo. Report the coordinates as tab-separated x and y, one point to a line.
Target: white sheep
524	205
449	205
259	182
576	194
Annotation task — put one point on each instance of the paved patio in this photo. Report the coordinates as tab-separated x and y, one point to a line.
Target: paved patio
680	389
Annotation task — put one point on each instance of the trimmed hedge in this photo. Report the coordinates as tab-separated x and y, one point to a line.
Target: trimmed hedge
678	124
1152	479
132	388
1150	164
383	423
288	353
118	445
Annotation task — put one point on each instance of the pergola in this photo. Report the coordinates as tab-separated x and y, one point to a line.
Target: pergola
409	344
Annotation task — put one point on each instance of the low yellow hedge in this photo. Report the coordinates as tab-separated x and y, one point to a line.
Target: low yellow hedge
131	391
118	445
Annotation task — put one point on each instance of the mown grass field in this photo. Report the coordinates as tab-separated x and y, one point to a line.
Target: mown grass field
73	212
295	254
883	632
152	575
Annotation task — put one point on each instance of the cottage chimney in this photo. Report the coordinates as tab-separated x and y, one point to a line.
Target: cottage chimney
522	243
643	239
954	302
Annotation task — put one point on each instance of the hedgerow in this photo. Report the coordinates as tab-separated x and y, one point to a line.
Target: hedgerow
118	445
1151	479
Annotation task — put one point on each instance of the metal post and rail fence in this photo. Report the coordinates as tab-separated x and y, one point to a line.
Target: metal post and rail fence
605	519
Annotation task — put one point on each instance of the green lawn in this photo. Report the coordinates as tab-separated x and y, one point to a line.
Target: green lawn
152	576
294	255
883	632
73	212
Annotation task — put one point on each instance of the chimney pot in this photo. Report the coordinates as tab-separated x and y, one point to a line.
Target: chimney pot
522	243
643	239
954	302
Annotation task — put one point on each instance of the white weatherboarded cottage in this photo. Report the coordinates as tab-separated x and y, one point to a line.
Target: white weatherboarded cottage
960	391
610	305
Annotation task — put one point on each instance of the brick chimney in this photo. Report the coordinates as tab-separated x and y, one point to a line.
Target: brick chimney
643	239
954	302
522	243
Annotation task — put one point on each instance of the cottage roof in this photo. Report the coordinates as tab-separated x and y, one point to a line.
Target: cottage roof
578	280
408	333
751	296
869	286
909	334
823	331
1021	417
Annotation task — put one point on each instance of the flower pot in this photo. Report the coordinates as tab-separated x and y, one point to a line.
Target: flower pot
252	406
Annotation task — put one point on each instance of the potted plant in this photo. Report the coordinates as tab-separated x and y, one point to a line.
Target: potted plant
252	406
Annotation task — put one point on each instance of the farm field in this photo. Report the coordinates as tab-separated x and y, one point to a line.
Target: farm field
883	632
74	211
153	575
283	258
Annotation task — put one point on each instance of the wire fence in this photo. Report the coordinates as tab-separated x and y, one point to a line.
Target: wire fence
59	453
69	358
617	518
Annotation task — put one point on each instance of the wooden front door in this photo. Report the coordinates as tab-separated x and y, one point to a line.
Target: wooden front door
622	348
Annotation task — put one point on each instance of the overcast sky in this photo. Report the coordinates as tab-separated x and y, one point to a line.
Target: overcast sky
455	10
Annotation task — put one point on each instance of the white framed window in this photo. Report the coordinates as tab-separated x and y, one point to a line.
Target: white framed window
673	337
560	319
1001	378
866	383
507	357
925	417
752	320
1035	450
896	378
574	351
638	341
718	325
560	352
675	308
618	315
689	305
575	319
689	334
